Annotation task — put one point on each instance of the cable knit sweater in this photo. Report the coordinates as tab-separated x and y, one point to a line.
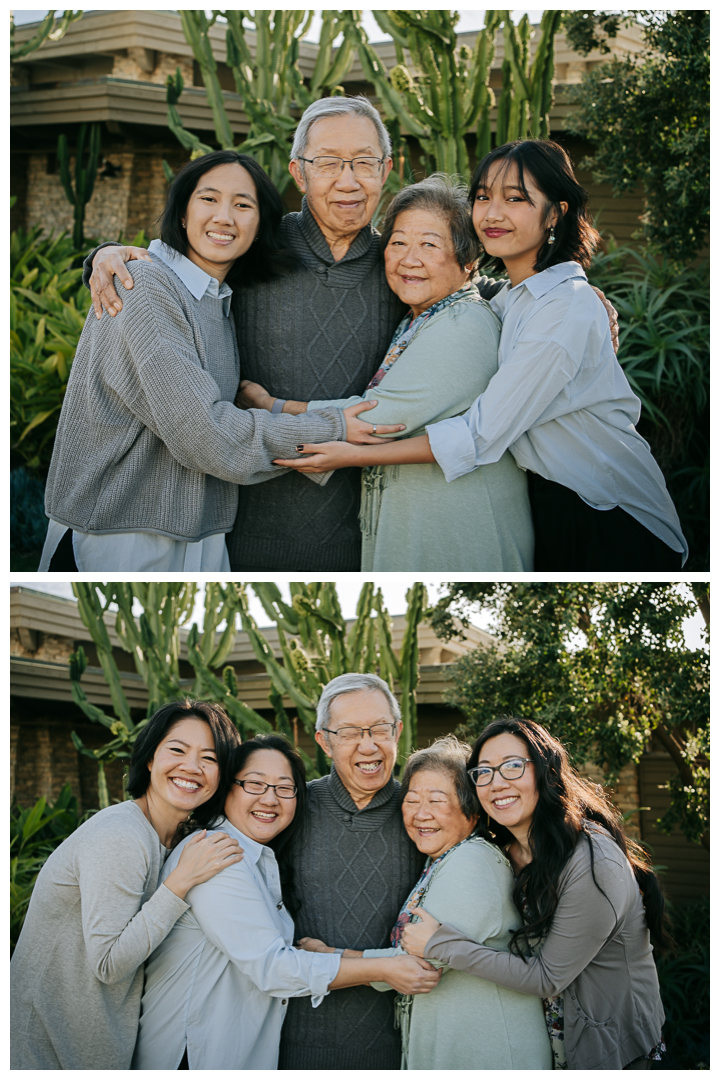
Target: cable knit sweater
322	332
148	437
352	871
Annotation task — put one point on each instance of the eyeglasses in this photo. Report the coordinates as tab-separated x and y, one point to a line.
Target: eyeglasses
256	787
378	732
333	166
510	770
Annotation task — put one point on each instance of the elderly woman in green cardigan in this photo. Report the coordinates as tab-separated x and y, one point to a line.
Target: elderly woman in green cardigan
465	1022
442	356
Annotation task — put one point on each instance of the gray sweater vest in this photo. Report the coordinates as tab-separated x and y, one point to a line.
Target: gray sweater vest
353	870
322	332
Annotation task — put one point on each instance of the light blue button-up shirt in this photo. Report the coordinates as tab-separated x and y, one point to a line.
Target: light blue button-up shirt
193	278
560	402
220	981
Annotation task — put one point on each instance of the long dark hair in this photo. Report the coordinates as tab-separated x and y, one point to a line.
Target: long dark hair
266	258
225	737
566	806
282	843
551	169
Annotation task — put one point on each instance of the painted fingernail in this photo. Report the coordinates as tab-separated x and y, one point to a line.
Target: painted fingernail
300	448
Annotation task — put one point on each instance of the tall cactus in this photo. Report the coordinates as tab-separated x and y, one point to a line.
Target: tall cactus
267	77
85	173
315	646
444	92
527	87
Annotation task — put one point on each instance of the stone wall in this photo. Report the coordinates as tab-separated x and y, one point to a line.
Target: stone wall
47	205
38	646
148	65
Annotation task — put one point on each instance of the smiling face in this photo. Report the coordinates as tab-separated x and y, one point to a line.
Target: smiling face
431	813
363	765
420	261
222	219
341	205
509	226
509	802
184	772
261	817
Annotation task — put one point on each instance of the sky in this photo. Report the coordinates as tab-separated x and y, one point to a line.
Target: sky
394	587
469	20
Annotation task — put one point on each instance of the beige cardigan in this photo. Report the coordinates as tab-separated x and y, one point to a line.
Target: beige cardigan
597	952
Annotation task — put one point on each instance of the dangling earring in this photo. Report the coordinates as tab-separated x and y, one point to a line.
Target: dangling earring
551	237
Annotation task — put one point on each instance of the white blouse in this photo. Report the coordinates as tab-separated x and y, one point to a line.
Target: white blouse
562	405
220	982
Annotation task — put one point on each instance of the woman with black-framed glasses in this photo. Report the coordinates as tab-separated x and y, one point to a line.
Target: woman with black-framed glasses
590	902
217	989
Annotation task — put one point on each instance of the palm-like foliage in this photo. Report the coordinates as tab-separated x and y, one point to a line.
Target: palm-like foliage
664	350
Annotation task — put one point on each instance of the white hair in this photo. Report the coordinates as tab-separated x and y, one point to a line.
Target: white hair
348	684
338	106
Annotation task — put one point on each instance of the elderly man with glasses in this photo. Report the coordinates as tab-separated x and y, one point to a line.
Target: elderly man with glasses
320	333
353	867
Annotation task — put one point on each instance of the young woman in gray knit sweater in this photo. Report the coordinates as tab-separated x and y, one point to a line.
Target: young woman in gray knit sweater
96	912
150	447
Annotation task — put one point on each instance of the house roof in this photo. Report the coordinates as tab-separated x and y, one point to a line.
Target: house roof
36	674
145	33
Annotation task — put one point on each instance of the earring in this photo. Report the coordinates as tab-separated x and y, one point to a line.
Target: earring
551	237
183	225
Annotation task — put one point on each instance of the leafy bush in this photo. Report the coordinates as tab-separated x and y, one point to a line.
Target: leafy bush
34	835
665	352
685	988
28	524
48	308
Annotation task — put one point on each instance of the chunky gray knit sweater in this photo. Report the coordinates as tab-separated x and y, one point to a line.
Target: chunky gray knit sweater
353	870
148	437
322	332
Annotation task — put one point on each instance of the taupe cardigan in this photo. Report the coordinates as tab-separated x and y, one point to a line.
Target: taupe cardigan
597	953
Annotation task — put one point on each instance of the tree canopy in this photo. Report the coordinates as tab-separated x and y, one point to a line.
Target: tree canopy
648	118
604	666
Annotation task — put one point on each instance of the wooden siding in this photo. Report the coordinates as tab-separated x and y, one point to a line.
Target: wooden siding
687	866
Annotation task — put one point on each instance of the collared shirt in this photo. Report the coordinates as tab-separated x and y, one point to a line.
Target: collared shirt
220	981
562	405
192	277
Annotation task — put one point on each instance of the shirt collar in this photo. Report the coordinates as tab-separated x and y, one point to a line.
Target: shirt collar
539	284
195	280
344	798
252	849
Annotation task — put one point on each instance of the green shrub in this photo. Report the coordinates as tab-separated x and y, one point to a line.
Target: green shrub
34	835
685	988
664	350
48	308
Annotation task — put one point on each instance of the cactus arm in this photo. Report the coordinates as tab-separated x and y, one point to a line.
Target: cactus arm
382	18
242	715
195	28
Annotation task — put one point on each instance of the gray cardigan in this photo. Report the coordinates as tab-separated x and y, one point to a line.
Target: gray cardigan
149	438
95	916
597	952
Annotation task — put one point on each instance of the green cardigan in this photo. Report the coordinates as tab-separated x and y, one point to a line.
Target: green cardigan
466	1022
481	521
